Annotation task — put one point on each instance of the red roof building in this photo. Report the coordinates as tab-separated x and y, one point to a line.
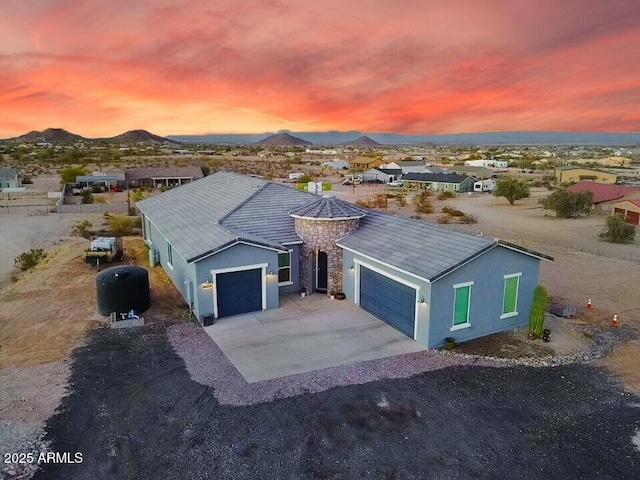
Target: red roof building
604	192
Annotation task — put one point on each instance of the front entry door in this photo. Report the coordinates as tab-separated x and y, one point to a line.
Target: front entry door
322	277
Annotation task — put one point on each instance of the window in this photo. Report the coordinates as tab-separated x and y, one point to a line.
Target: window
461	305
147	229
169	255
510	297
284	268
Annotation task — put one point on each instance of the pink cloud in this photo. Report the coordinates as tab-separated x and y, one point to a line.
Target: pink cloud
406	66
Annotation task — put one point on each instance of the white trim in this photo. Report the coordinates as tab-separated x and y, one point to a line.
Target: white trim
170	266
467	324
233	245
215	272
460	327
385	264
358	264
504	290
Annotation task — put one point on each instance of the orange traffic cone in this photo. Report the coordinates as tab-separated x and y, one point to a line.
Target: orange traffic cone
589	305
614	322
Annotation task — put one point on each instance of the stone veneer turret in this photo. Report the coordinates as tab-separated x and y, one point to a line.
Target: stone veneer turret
320	224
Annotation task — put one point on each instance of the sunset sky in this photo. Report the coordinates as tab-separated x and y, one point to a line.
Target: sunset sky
98	68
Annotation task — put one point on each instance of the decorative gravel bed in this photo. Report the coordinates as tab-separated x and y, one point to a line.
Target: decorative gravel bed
207	364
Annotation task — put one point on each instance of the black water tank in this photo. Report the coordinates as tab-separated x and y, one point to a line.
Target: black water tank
122	289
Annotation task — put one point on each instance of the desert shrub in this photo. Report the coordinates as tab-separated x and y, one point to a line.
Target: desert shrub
446	194
120	225
138	194
468	218
402	200
378	201
86	197
444	218
618	231
423	203
100	199
28	260
568	204
362	203
82	228
163	188
454	212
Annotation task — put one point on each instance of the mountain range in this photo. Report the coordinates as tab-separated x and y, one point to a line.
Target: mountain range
489	138
349	138
60	135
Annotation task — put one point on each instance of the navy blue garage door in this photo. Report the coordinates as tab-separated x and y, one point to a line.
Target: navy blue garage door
390	301
239	292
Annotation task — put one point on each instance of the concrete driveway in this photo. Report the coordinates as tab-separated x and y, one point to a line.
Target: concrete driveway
305	334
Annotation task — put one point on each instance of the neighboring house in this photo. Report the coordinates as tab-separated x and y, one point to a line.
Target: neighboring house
406	166
9	178
157	176
233	244
434	170
628	209
365	162
439	182
605	194
385	175
579	174
481	173
487	162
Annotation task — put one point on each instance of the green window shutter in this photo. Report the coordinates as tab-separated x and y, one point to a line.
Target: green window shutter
510	295
461	307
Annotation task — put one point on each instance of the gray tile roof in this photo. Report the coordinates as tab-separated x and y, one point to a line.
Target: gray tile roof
328	208
434	177
188	215
423	249
264	215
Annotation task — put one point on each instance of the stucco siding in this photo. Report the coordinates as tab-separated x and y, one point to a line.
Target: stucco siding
487	272
239	255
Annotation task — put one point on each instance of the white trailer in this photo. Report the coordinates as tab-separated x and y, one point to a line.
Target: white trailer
484	185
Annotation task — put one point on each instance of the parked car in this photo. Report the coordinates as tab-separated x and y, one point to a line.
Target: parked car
97	188
395	183
116	188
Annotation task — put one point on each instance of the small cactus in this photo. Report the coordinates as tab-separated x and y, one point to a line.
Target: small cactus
538	309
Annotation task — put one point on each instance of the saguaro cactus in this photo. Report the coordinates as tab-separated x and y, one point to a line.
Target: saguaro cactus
538	308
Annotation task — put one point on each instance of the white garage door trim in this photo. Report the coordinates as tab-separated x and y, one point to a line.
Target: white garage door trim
356	295
256	266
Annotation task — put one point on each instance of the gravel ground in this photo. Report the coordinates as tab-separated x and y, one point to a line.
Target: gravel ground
134	412
208	365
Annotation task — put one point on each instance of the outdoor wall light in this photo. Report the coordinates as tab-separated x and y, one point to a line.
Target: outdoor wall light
422	300
270	272
352	266
207	285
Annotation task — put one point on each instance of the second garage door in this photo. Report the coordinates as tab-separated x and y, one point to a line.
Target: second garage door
390	301
239	292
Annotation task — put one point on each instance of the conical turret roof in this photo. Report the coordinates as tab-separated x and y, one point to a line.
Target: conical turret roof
328	208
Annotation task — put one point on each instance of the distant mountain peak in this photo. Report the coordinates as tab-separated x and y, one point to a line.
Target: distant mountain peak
51	135
138	136
363	141
283	140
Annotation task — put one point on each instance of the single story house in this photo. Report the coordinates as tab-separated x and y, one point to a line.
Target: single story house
233	244
439	182
407	166
365	162
578	174
604	194
487	162
157	176
9	178
629	210
385	175
481	173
